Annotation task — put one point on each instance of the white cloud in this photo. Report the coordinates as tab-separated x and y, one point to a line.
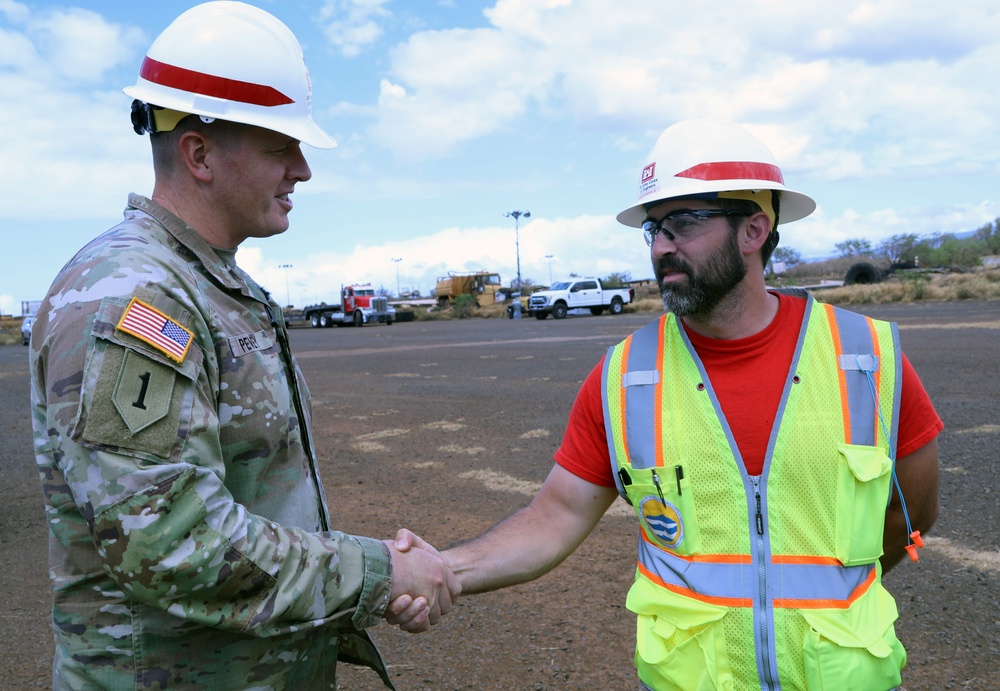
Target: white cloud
8	305
454	86
351	25
14	11
60	128
808	71
585	245
80	45
551	106
816	236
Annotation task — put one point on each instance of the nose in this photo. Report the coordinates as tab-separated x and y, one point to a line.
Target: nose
663	244
298	168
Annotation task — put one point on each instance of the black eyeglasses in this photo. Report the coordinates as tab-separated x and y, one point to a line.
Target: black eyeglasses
683	225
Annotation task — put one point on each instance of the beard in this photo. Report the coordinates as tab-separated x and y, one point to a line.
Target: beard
705	287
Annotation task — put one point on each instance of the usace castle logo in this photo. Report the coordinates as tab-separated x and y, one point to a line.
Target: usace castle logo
649	181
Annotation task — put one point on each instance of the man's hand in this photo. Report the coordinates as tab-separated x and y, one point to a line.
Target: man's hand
423	587
523	546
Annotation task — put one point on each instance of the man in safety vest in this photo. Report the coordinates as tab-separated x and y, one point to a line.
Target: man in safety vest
190	541
780	454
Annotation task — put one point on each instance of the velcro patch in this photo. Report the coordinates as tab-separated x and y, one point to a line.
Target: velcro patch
641	378
152	326
864	362
143	391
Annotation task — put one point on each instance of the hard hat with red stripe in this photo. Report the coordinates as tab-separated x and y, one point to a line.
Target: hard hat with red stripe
231	61
705	159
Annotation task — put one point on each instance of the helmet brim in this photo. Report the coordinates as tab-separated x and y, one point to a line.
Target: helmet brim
794	205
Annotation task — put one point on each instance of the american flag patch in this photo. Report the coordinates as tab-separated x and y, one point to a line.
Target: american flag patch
157	329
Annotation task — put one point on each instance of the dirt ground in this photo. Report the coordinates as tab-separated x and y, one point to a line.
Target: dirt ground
446	427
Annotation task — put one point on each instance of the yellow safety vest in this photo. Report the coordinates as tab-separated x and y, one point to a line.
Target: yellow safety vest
769	581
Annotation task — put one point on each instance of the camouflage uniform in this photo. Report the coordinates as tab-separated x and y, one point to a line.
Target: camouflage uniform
190	540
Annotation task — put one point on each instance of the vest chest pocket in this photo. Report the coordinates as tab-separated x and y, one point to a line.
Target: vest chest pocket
666	509
863	478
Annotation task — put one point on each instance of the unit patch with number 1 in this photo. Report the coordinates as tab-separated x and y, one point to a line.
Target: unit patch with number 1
136	398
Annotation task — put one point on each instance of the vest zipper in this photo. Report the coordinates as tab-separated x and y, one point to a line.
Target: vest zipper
765	633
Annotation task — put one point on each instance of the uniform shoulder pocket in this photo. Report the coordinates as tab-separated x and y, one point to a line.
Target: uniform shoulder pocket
137	398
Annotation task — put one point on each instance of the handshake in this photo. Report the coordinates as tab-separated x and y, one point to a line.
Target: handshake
424	587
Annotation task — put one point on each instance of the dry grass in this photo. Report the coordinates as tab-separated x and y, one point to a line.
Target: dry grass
10	330
978	284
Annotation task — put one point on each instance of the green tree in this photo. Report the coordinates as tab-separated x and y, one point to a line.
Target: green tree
464	306
527	286
856	247
789	255
618	279
899	248
989	236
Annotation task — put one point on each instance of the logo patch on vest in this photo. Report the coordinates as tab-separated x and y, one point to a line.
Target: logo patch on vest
663	521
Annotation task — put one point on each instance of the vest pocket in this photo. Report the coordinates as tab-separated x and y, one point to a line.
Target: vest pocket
669	522
840	652
680	642
863	478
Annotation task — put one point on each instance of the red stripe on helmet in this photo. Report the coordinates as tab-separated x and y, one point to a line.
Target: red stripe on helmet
734	170
209	85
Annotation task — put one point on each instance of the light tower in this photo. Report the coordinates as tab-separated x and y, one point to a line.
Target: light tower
396	260
517	215
288	293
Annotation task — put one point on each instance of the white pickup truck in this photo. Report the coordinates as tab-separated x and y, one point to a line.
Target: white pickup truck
580	293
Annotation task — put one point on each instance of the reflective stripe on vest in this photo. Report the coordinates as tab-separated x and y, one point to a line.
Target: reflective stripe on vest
859	357
730	581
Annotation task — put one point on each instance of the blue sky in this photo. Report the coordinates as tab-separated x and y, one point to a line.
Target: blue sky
451	113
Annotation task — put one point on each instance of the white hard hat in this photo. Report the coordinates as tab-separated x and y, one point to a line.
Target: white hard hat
700	158
231	61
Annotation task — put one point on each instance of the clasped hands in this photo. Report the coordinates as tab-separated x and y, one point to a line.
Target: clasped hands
424	587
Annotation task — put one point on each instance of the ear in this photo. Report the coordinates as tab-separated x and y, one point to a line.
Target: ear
194	148
756	230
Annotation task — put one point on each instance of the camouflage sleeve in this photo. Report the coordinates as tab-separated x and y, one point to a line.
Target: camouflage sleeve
134	436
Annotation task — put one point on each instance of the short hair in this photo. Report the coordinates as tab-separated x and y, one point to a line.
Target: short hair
749	208
164	143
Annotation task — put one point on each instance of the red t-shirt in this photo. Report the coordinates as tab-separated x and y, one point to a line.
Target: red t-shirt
749	399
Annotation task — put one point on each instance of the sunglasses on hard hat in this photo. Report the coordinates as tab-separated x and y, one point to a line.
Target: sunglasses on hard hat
683	225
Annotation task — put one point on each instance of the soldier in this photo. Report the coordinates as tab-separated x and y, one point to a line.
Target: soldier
191	544
765	441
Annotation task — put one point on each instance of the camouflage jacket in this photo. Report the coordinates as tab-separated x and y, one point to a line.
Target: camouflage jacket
190	539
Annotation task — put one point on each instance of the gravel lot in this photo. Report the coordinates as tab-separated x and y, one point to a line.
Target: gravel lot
446	427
